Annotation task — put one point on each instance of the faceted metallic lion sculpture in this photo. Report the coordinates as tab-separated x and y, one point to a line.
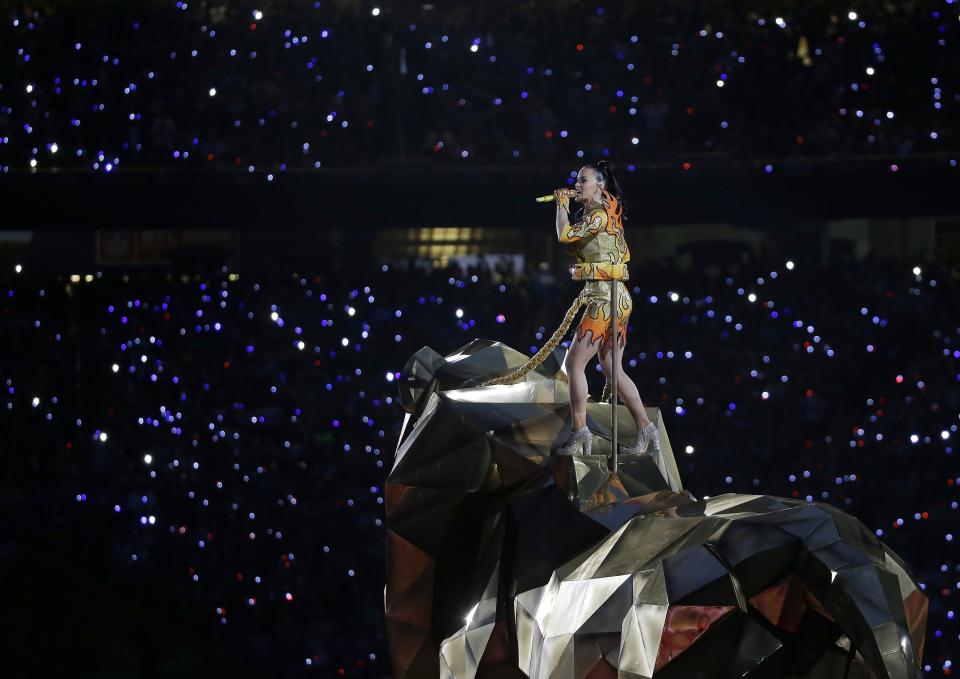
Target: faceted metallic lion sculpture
505	561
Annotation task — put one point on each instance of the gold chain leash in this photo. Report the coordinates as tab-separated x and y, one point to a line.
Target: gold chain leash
534	362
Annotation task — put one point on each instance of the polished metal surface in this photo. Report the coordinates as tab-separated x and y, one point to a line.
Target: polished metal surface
506	561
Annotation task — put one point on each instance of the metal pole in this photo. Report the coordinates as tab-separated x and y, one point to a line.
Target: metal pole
613	370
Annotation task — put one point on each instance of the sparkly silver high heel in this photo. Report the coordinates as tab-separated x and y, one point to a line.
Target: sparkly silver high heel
645	436
579	442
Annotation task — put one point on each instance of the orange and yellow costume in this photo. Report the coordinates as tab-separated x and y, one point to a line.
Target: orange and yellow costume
598	243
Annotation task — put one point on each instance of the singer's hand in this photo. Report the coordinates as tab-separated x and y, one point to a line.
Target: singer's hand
562	197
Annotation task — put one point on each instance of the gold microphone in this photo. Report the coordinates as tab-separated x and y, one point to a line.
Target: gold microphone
546	199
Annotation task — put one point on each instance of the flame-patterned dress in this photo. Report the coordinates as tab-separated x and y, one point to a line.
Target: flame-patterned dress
597	242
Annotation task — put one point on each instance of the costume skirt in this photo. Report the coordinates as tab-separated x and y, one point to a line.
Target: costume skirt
597	313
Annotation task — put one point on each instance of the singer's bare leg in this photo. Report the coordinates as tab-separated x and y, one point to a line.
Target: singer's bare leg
578	355
626	389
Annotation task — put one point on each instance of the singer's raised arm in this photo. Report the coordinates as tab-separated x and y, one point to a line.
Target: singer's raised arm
563	222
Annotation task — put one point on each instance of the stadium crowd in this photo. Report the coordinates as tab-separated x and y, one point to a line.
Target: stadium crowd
324	85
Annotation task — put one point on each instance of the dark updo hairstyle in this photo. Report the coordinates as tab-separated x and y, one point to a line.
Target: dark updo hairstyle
605	174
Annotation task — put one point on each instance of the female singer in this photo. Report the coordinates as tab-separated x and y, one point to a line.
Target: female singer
597	242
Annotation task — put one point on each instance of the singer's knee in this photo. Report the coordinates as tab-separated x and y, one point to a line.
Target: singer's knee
606	366
621	379
571	364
